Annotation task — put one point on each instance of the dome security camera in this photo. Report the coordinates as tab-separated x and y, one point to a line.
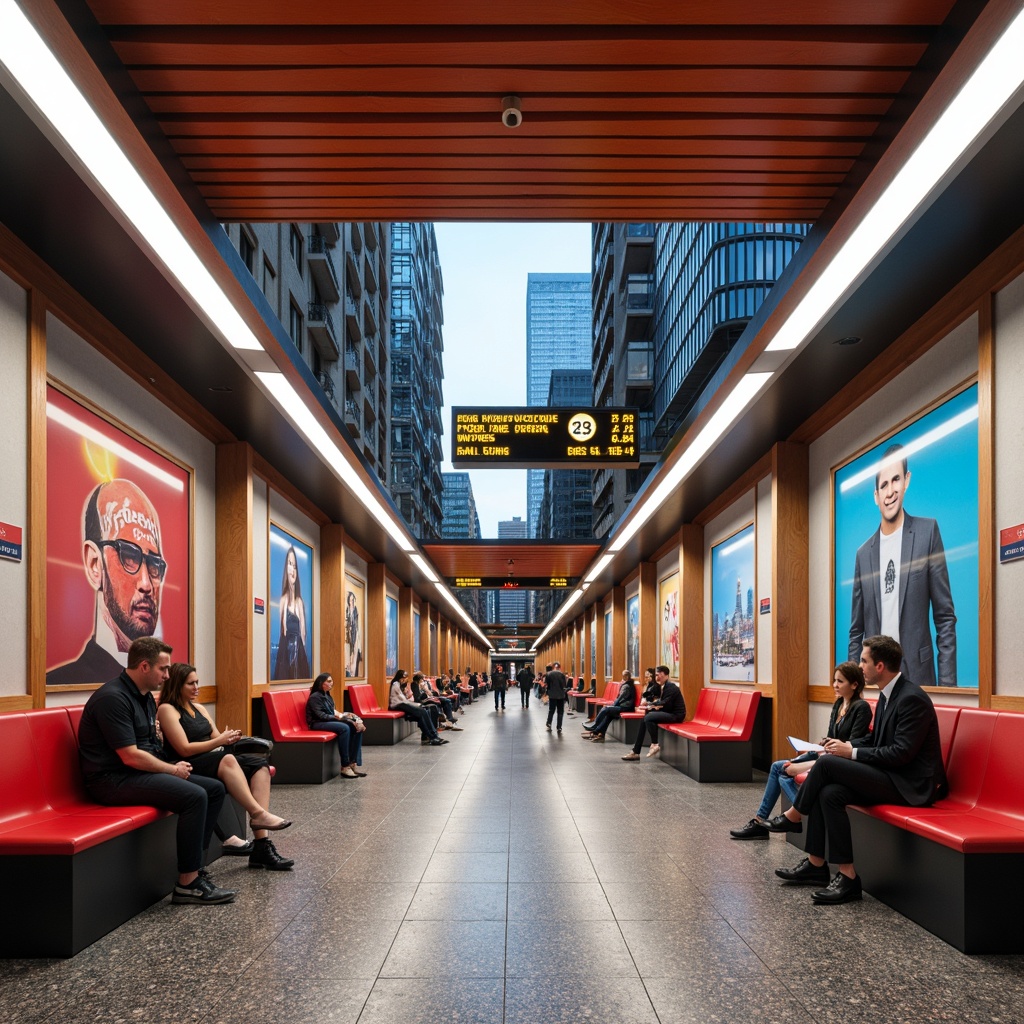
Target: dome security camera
511	111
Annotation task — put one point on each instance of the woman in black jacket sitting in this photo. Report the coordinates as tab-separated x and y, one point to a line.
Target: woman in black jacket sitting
850	719
322	715
625	701
669	707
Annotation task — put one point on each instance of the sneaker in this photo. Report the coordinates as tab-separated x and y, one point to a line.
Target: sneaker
201	890
266	856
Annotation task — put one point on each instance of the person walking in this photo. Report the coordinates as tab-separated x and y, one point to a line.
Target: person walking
557	687
524	677
499	684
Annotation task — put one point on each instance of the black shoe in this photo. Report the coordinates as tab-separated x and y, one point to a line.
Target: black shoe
266	856
752	830
805	873
237	851
780	823
201	890
840	890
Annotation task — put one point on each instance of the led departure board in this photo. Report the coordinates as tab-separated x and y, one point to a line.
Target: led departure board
534	437
512	582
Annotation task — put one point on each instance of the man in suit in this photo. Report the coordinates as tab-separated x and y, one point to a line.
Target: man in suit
557	686
900	573
900	762
524	677
670	707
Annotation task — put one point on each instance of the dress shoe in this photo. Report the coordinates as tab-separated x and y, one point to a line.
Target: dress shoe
631	757
265	856
780	823
752	830
805	873
840	890
598	737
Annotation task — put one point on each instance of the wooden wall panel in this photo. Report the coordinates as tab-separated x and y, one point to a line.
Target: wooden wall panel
648	617
35	577
332	606
234	585
692	635
618	599
376	631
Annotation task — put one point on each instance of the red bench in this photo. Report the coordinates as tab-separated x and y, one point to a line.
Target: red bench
77	869
716	744
611	691
300	754
957	867
383	728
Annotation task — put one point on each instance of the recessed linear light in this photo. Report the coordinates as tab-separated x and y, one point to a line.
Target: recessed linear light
41	80
990	87
424	567
738	399
277	385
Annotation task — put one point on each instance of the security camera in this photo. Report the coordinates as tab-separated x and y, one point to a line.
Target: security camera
511	112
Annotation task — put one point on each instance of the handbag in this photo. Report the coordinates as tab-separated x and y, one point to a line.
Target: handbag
252	745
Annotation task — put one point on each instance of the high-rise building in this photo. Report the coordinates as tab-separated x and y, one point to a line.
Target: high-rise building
559	324
338	321
511	603
670	301
417	318
459	517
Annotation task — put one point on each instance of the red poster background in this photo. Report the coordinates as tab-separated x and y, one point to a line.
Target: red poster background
83	450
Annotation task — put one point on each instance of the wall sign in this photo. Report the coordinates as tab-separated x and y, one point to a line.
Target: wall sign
10	542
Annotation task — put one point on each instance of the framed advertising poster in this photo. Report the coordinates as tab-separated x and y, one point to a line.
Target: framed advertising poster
668	623
633	635
291	606
355	600
732	607
391	635
118	544
593	648
905	544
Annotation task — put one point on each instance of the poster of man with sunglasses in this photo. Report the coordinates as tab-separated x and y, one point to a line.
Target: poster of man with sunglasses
122	546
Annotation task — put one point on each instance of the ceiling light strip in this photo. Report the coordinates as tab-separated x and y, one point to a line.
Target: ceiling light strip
42	79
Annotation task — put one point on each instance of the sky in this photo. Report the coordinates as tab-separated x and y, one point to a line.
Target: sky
485	267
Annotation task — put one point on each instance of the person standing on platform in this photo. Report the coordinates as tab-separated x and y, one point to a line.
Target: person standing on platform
123	763
670	707
557	687
499	683
899	763
524	677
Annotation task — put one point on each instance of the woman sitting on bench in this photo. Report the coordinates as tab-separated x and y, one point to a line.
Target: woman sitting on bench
190	734
850	719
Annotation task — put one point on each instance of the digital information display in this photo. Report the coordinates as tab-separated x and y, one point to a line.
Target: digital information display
513	583
534	437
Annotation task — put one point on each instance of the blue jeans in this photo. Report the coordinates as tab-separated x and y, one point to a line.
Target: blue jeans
604	718
350	742
499	694
778	782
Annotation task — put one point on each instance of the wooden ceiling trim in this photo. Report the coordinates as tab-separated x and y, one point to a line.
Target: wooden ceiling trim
231	49
539	12
815	79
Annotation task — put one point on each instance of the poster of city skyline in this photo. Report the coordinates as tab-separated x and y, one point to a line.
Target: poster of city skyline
732	607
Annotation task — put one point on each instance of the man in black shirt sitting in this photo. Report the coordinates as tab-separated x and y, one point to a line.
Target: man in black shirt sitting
123	764
670	708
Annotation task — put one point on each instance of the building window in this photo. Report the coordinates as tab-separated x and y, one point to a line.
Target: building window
268	279
247	250
295	246
295	324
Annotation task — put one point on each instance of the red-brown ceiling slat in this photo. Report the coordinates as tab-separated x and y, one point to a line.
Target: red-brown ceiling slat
654	109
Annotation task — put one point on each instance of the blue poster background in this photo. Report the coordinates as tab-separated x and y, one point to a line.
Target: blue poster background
280	542
732	630
391	640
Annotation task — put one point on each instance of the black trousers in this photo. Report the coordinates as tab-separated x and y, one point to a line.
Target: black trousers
556	703
421	715
833	783
650	725
524	694
197	801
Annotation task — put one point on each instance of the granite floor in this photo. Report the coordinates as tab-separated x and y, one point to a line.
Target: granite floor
516	876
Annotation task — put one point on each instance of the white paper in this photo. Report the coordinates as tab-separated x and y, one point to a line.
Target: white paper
802	746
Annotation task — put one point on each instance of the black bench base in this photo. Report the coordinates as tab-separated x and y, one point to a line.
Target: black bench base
625	730
973	901
386	732
706	762
305	762
57	905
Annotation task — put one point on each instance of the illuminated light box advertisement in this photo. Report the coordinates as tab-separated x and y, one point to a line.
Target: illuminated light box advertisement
536	437
513	583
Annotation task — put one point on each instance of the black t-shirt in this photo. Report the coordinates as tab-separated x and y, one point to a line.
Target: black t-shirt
117	715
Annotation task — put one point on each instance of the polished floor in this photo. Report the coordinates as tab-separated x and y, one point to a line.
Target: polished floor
520	877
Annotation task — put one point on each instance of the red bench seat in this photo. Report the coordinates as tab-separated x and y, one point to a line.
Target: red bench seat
716	745
957	867
300	754
383	726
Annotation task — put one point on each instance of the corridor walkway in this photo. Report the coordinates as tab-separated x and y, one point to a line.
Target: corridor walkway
515	876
